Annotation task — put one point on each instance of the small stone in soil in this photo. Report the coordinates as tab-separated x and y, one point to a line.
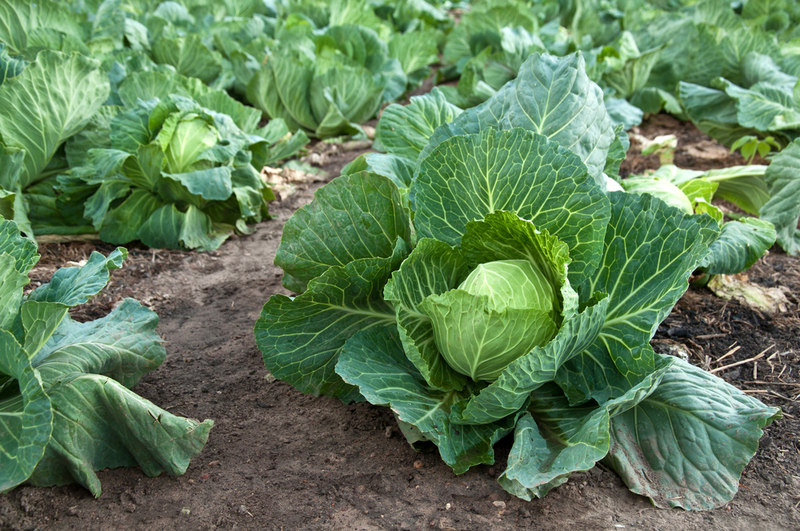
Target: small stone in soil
418	464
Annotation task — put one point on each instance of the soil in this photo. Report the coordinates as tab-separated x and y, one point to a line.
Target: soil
280	460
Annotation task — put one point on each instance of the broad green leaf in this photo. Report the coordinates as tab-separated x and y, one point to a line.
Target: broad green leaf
26	418
213	184
633	75
553	97
11	284
162	229
662	189
97	206
353	217
198	231
51	100
301	338
281	89
399	169
432	268
147	85
343	95
405	130
109	21
130	129
373	360
123	345
285	148
765	107
740	244
96	135
72	286
101	424
571	438
713	112
21	249
21	19
687	443
470	176
623	113
415	50
121	224
39	320
641	291
783	208
189	55
736	44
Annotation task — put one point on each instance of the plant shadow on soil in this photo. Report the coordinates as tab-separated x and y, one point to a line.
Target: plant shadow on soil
280	460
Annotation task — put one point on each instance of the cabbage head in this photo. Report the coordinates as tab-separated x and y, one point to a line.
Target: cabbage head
508	309
491	285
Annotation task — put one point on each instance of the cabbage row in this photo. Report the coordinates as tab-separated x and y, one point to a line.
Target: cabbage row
120	118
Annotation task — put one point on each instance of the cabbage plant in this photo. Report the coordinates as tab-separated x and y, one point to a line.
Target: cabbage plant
494	287
174	172
66	408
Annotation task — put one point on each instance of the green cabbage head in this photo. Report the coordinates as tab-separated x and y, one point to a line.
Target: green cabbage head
500	312
186	138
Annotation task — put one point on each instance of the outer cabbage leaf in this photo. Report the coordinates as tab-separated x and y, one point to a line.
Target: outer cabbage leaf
80	370
374	360
551	96
51	100
469	176
740	244
354	217
687	443
783	208
649	252
190	57
87	368
301	338
571	438
404	130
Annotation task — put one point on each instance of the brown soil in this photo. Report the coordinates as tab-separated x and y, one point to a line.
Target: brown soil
280	460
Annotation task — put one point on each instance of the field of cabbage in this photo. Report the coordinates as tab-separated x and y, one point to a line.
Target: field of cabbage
483	218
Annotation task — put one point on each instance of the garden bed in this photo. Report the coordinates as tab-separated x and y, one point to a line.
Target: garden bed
278	459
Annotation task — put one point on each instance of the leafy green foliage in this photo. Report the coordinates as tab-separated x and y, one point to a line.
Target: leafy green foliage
505	291
65	399
749	145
